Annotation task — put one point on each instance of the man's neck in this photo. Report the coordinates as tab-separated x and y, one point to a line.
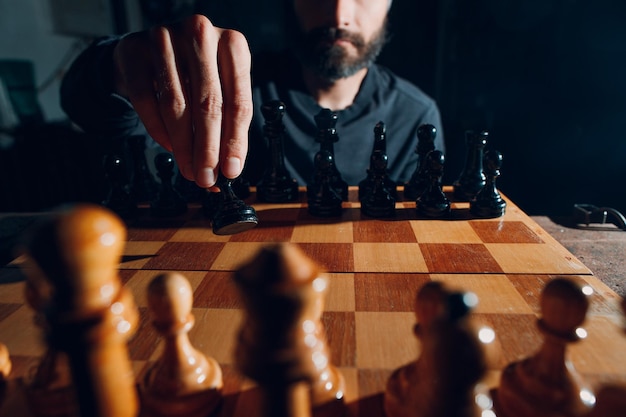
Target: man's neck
335	95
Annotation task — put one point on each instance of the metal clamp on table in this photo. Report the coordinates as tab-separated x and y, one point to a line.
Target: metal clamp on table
589	214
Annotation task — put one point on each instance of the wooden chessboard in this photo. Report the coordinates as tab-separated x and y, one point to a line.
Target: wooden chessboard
375	267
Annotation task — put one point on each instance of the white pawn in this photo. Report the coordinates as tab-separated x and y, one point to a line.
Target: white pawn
611	400
48	386
546	384
442	381
5	371
5	366
183	381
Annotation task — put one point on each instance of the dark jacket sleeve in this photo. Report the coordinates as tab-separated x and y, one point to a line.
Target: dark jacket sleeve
87	95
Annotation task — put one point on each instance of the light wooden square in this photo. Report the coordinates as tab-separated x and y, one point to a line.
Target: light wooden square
385	340
215	332
442	231
530	258
340	232
388	257
199	233
340	295
496	294
136	249
235	254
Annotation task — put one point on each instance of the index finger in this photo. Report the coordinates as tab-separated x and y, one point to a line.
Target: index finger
234	66
221	97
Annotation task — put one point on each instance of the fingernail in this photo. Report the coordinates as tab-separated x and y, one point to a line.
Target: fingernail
206	177
232	167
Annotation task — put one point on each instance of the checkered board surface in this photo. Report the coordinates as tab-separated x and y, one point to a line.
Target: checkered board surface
375	267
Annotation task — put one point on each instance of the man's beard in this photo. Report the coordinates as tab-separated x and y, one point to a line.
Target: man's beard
318	52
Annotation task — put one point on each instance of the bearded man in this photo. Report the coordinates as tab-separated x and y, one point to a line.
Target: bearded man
197	91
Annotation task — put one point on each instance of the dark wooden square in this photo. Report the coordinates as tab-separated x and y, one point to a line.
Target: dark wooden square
387	292
185	256
456	258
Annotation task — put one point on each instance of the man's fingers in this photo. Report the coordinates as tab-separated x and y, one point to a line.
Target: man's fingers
234	67
190	85
172	96
205	97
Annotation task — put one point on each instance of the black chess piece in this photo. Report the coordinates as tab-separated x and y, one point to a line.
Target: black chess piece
241	187
323	198
472	178
277	185
144	186
418	182
375	169
488	203
230	214
326	121
168	202
119	198
210	202
433	202
379	200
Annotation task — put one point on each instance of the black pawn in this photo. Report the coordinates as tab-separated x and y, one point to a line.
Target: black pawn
326	122
375	169
426	135
119	198
168	202
143	184
323	198
231	215
241	187
379	201
433	202
472	178
277	184
488	203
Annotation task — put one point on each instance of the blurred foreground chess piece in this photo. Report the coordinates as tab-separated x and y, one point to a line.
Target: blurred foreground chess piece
418	182
5	370
472	179
282	344
546	383
90	315
488	203
48	386
442	381
183	382
277	185
611	399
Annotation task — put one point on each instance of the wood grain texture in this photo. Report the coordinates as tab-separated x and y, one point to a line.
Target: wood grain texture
374	269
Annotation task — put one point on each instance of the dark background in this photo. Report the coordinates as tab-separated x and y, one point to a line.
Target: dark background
544	77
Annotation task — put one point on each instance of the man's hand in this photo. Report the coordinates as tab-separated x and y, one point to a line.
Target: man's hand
190	85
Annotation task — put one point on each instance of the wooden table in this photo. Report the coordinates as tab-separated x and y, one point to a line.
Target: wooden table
375	267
